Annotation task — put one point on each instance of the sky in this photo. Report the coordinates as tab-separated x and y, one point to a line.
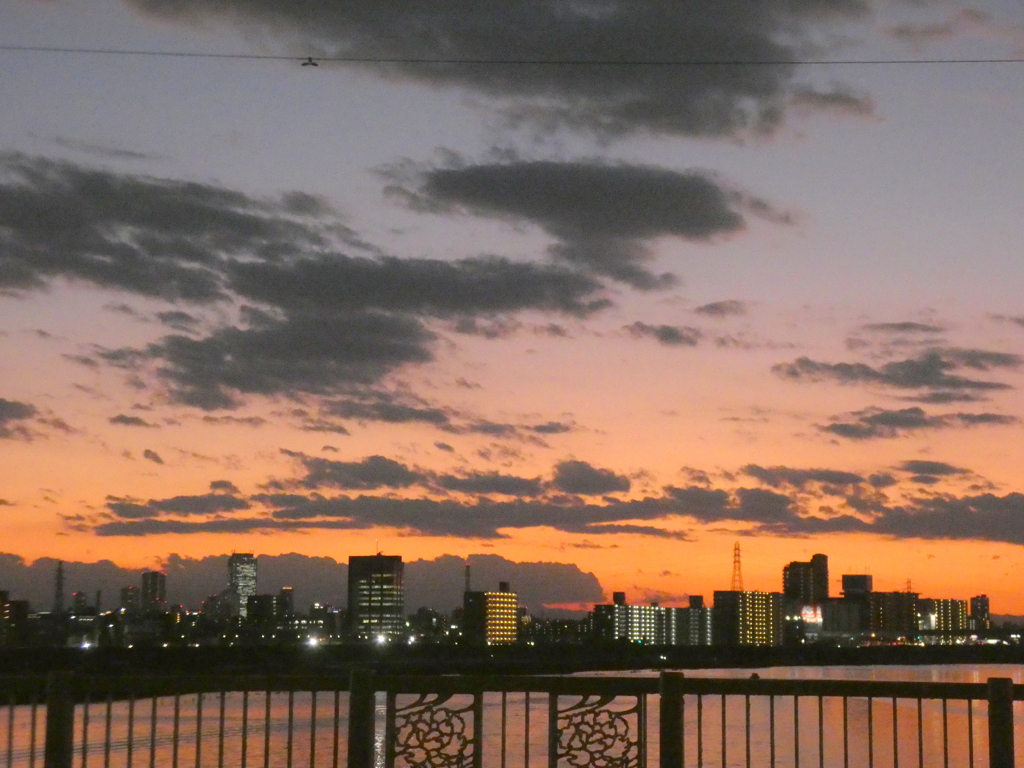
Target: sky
599	283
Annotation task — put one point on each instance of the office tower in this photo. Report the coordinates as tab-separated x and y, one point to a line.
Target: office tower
747	618
980	617
806	583
241	580
491	618
154	591
376	600
857	585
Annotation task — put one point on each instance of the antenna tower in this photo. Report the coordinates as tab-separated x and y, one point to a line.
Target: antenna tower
737	570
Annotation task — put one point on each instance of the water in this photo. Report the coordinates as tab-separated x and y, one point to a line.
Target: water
254	732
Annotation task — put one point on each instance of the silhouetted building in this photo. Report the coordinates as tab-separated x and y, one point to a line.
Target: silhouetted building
131	601
857	585
747	618
893	613
491	618
285	606
154	591
806	583
376	599
261	611
980	617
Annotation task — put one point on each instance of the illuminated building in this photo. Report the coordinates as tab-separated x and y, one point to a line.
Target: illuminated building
491	618
688	626
376	600
241	581
747	618
893	613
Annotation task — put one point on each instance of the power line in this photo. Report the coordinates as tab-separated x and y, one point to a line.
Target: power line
503	62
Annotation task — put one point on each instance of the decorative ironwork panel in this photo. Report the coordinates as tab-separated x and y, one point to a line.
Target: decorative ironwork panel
432	732
597	731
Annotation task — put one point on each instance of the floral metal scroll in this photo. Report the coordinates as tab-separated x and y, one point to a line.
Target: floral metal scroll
432	732
592	733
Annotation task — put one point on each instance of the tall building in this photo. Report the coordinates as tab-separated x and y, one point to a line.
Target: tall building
856	586
131	600
806	583
491	618
376	599
747	618
980	616
635	623
241	580
688	626
154	591
893	613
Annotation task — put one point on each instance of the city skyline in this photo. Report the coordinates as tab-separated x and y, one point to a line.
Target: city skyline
591	284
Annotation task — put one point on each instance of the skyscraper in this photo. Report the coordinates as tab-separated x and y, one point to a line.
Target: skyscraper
241	580
154	591
376	600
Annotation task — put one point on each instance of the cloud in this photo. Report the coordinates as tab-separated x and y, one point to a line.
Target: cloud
368	474
839	101
492	482
799	478
599	93
178	320
11	412
225	486
669	335
101	150
178	505
937	468
551	428
933	369
129	421
585	479
903	327
602	215
874	423
386	407
152	456
728	308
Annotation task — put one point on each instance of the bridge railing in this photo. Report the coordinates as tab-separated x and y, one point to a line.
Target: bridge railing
472	721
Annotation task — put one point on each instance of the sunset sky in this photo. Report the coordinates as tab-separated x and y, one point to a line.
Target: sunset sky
598	282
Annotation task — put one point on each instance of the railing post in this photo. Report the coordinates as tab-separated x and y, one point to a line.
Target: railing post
1000	722
671	709
60	721
361	706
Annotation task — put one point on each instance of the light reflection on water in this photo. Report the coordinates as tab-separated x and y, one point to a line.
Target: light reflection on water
269	743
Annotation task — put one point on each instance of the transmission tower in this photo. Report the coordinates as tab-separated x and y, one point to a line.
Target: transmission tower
737	570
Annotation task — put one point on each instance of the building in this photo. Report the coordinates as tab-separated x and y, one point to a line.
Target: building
856	586
893	613
241	581
690	625
635	623
376	599
981	619
806	583
747	618
491	618
154	591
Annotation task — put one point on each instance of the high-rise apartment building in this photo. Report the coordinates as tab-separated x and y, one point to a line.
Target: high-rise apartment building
376	599
154	591
980	617
747	618
806	583
491	618
241	580
893	613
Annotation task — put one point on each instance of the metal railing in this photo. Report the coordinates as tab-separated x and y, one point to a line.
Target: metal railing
472	721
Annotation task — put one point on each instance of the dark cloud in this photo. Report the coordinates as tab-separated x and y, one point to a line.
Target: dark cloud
178	320
551	428
370	473
386	407
799	478
444	447
152	456
937	468
154	237
223	486
727	308
933	369
101	150
903	327
839	101
604	96
124	420
492	482
585	479
11	412
879	423
602	215
669	335
206	504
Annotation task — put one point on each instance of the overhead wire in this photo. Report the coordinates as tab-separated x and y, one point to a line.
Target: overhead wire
505	62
